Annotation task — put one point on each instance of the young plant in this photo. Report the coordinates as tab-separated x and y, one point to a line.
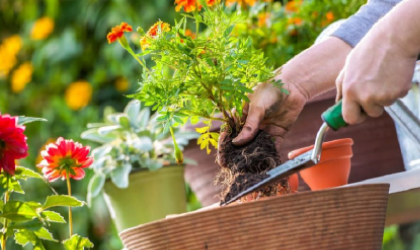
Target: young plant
27	221
131	140
206	76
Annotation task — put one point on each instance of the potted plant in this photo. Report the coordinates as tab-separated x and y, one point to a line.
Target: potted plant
135	168
207	75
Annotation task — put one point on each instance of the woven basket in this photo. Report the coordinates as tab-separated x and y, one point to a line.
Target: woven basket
342	218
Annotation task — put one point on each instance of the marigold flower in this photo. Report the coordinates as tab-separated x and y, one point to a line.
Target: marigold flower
153	33
188	33
189	5
21	76
78	95
65	158
13	144
293	6
329	16
42	28
8	51
118	31
240	2
212	2
263	18
294	21
121	84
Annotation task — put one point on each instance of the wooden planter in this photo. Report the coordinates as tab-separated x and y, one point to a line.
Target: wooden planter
349	218
376	149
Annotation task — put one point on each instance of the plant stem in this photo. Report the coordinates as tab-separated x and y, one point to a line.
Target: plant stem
70	214
4	237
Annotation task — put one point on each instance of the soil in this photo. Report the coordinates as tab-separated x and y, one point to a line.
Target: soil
247	165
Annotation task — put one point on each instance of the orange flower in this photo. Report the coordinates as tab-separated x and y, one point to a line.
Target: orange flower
293	6
294	21
189	33
241	2
263	18
329	16
212	2
189	5
153	33
118	31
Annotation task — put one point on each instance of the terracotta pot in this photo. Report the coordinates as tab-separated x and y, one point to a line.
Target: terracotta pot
350	218
294	182
333	170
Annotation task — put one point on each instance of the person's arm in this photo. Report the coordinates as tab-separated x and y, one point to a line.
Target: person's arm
310	73
380	68
356	27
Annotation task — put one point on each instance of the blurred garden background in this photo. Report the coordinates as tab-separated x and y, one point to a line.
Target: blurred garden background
55	63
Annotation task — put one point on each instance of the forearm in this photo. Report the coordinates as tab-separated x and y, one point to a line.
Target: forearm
401	27
314	70
356	27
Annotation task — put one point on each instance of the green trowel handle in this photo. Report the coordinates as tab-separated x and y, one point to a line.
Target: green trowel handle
334	116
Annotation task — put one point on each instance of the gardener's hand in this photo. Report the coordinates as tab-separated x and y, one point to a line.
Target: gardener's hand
380	68
271	110
308	74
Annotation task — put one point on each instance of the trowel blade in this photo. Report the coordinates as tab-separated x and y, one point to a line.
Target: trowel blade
284	170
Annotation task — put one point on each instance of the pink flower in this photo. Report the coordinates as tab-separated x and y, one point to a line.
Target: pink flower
13	144
65	157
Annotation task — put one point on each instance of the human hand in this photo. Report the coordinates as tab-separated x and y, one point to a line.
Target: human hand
271	110
376	73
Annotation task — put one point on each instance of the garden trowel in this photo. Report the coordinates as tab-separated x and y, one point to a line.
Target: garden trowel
333	119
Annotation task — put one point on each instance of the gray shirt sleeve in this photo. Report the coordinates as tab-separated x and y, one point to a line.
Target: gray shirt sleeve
356	27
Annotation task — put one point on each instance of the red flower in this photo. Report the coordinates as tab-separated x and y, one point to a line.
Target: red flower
13	144
118	32
65	157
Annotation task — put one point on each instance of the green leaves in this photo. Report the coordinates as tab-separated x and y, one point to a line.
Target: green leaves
52	217
25	120
61	201
18	211
77	242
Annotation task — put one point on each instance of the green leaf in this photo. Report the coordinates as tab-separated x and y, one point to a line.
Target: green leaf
53	216
228	31
96	184
18	211
107	129
25	173
143	118
23	237
77	242
93	135
44	234
119	175
61	201
25	120
243	61
132	110
32	225
124	121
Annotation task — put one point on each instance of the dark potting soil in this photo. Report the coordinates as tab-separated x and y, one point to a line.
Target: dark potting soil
244	166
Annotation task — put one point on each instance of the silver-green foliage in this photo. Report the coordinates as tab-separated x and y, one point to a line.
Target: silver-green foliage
130	140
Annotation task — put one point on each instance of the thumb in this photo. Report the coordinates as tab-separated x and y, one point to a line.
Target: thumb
251	126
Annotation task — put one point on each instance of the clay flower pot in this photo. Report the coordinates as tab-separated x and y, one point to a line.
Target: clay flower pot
334	167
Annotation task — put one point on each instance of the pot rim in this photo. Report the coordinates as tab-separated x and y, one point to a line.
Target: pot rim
326	145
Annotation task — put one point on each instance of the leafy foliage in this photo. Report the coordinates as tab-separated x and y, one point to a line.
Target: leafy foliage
202	77
130	140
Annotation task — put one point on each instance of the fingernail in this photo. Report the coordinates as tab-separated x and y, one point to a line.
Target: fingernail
236	139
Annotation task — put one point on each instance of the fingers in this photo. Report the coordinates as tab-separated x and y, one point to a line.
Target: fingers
352	111
338	85
254	117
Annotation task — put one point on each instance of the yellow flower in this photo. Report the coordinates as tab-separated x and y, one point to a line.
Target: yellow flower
121	84
78	95
8	51
42	28
240	2
21	76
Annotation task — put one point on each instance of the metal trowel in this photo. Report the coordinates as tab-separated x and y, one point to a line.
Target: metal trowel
333	119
